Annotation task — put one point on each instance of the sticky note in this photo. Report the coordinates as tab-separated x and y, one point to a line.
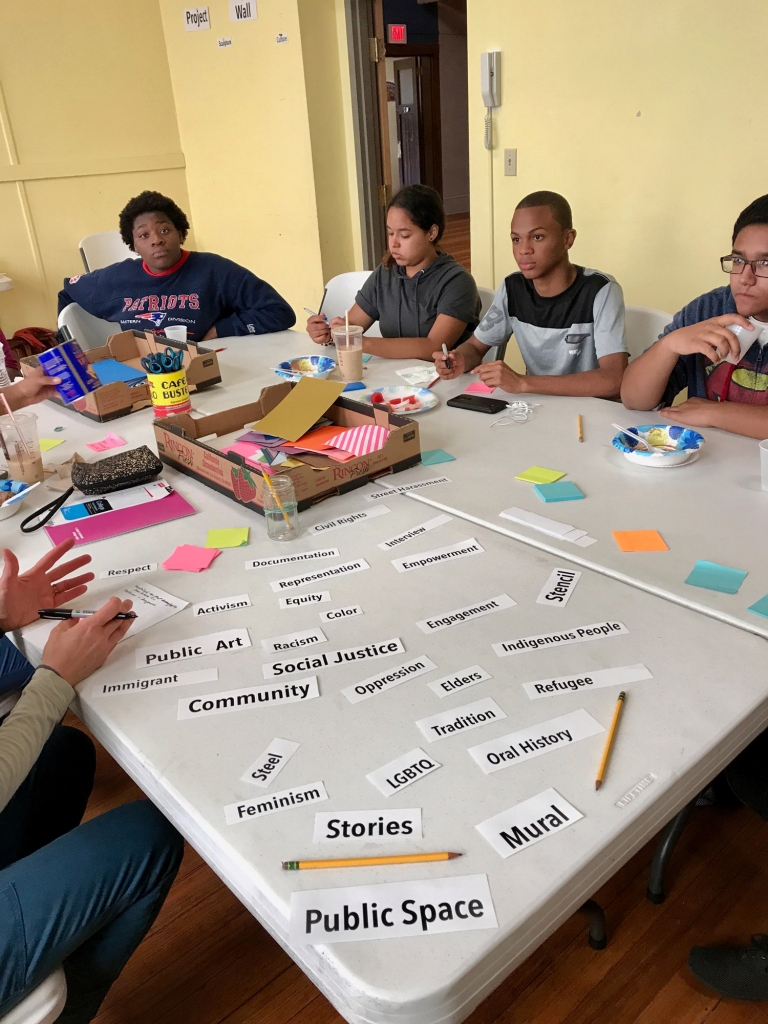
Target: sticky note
110	441
565	490
366	357
301	408
478	388
713	576
234	537
540	475
760	607
46	443
435	456
190	558
639	540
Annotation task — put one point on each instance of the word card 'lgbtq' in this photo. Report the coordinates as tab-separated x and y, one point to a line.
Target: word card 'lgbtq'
528	823
587	681
559	587
536	739
329	659
392	910
403	771
388	680
270	763
247	697
194	647
376	826
463	549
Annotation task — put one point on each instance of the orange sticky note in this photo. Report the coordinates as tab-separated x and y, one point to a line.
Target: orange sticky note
639	540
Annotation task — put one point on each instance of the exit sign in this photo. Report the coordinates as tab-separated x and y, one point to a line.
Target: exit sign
397	34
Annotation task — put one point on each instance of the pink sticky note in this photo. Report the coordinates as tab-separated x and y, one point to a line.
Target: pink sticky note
190	558
110	441
478	388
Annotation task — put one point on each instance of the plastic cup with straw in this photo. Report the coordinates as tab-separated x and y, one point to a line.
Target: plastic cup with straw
268	482
13	420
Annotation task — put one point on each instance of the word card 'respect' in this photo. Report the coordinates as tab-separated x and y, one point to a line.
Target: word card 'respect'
528	823
403	771
132	570
536	739
367	826
426	906
270	763
559	587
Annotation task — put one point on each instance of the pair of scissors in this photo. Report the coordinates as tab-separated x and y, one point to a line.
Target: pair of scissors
169	361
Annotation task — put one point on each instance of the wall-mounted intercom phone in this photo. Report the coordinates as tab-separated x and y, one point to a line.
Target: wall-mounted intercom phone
490	85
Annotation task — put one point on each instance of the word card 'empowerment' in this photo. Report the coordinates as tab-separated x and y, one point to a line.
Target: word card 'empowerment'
403	771
528	823
194	647
370	826
536	739
392	910
447	554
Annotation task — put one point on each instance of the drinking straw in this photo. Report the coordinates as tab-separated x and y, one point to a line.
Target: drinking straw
13	420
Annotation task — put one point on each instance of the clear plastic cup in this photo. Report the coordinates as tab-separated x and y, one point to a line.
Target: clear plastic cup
21	447
178	332
349	351
280	507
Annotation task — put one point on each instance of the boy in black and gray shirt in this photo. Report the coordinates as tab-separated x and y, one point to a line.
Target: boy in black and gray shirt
568	321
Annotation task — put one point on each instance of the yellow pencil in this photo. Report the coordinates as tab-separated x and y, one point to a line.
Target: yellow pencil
279	503
580	427
609	741
366	862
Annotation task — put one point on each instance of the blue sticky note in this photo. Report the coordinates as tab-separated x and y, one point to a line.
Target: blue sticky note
366	357
110	370
435	456
356	385
760	607
712	576
562	490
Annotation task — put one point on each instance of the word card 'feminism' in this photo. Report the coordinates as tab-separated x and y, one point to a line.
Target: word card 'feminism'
536	739
559	587
195	647
391	910
463	549
472	611
329	659
587	681
403	771
595	631
388	680
333	571
371	826
247	697
297	796
528	823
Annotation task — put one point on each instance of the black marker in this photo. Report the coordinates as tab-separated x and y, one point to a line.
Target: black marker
68	613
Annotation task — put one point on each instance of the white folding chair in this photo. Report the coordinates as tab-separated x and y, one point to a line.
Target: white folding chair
88	330
43	1005
486	298
340	295
104	249
644	325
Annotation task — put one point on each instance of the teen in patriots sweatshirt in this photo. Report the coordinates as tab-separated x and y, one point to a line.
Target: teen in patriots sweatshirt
209	295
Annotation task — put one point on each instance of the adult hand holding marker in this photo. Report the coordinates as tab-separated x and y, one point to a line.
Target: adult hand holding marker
78	647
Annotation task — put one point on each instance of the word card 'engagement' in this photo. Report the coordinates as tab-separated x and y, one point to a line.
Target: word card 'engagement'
472	611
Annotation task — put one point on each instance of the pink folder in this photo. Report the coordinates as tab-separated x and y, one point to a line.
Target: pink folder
122	520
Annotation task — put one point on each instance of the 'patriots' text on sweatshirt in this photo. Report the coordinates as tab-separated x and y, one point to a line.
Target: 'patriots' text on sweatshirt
199	292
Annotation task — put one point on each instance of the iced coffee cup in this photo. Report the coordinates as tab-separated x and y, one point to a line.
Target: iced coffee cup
21	447
349	351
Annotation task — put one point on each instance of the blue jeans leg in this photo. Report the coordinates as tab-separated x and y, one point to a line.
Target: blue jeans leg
15	670
86	901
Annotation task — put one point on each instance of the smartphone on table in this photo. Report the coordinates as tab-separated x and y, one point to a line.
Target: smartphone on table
477	403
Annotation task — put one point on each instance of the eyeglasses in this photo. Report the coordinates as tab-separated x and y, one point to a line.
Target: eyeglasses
735	265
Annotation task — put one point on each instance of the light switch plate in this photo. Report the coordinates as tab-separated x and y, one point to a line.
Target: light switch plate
510	162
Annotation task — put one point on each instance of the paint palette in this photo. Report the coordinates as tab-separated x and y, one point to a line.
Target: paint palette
400	399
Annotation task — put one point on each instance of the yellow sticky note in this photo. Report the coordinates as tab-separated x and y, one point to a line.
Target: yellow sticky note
235	537
639	540
46	443
301	408
540	475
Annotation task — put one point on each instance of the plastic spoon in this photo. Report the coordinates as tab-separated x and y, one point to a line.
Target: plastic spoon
642	441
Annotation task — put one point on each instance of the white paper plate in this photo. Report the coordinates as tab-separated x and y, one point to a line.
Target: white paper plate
427	400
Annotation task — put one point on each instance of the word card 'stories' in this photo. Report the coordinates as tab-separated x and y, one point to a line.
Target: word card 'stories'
368	826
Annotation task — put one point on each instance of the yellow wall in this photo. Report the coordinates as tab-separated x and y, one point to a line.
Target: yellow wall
654	196
86	121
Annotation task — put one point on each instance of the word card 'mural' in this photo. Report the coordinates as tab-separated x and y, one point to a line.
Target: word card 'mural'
392	910
536	739
194	647
528	823
246	697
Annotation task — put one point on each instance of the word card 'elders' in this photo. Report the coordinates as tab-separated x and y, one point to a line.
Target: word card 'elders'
294	641
447	554
145	683
328	659
388	680
403	771
458	680
472	611
332	572
298	556
391	910
536	739
401	538
596	631
195	647
301	600
462	719
528	823
247	697
221	604
587	681
371	826
310	793
270	763
559	587
353	517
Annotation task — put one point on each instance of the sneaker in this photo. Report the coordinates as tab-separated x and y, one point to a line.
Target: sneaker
738	972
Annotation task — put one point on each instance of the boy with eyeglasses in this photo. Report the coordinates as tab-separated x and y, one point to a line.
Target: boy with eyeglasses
692	351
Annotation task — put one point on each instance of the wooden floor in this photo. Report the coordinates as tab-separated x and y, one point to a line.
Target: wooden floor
207	961
455	239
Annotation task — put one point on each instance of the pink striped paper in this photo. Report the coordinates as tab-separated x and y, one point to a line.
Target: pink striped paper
361	440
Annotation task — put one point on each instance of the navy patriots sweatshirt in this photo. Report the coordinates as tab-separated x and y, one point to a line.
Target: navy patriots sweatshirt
201	291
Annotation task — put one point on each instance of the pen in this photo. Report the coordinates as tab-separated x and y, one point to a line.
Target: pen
448	360
609	741
364	862
313	313
69	613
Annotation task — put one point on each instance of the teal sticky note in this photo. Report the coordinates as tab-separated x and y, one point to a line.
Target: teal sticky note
713	576
366	357
563	490
435	456
760	607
